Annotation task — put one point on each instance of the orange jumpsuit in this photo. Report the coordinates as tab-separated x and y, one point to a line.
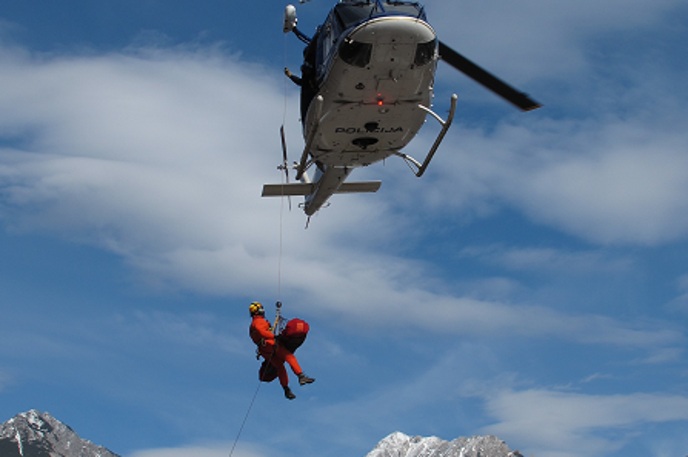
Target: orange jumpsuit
276	355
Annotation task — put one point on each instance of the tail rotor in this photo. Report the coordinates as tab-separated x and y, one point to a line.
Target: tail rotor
285	161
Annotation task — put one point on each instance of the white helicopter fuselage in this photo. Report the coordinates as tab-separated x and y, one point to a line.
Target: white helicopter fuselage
375	81
370	112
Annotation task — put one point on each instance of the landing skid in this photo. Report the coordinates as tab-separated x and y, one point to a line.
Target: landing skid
415	166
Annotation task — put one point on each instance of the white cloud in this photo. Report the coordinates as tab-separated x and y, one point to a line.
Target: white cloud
610	182
595	377
140	154
630	195
570	424
550	260
664	356
5	380
680	303
216	450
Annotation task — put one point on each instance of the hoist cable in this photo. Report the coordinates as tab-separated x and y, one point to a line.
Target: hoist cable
284	111
279	275
284	117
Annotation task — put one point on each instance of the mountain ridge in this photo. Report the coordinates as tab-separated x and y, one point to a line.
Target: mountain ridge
36	434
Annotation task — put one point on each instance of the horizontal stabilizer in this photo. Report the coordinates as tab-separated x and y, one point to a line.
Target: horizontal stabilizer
305	189
285	190
359	187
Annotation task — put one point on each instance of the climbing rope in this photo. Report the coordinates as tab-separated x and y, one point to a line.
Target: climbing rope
241	429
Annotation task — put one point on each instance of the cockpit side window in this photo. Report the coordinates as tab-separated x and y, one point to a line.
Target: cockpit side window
355	53
425	52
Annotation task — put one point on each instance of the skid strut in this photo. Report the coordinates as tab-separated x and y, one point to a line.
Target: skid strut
418	168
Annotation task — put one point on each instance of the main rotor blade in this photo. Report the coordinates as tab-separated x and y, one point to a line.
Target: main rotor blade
488	80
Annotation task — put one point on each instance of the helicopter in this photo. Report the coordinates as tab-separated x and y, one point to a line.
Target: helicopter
366	89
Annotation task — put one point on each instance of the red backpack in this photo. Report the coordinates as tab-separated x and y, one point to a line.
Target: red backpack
294	334
291	337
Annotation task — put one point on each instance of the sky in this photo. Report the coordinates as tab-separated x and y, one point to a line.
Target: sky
533	284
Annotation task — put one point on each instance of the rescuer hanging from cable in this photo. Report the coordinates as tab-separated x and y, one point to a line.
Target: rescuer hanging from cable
272	351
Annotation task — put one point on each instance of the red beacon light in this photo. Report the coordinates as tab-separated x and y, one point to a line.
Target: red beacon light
380	102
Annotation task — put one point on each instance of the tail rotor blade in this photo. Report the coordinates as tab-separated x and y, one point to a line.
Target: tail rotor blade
285	161
488	80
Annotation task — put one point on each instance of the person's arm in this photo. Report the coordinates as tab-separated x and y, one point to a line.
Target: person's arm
263	328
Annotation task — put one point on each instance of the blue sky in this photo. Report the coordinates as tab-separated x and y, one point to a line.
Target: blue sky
532	285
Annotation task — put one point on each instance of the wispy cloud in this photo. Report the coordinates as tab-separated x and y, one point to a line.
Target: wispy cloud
570	424
680	303
550	260
5	380
615	182
211	450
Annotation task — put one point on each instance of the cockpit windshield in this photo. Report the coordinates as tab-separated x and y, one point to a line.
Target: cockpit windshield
353	12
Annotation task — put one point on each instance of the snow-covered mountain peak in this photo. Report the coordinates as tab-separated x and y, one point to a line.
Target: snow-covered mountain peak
39	434
36	422
399	444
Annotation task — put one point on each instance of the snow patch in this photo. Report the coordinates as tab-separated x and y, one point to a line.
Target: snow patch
17	437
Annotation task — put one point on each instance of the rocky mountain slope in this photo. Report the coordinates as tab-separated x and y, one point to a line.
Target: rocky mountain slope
35	434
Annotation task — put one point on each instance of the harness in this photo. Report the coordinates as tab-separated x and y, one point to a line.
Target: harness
262	341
